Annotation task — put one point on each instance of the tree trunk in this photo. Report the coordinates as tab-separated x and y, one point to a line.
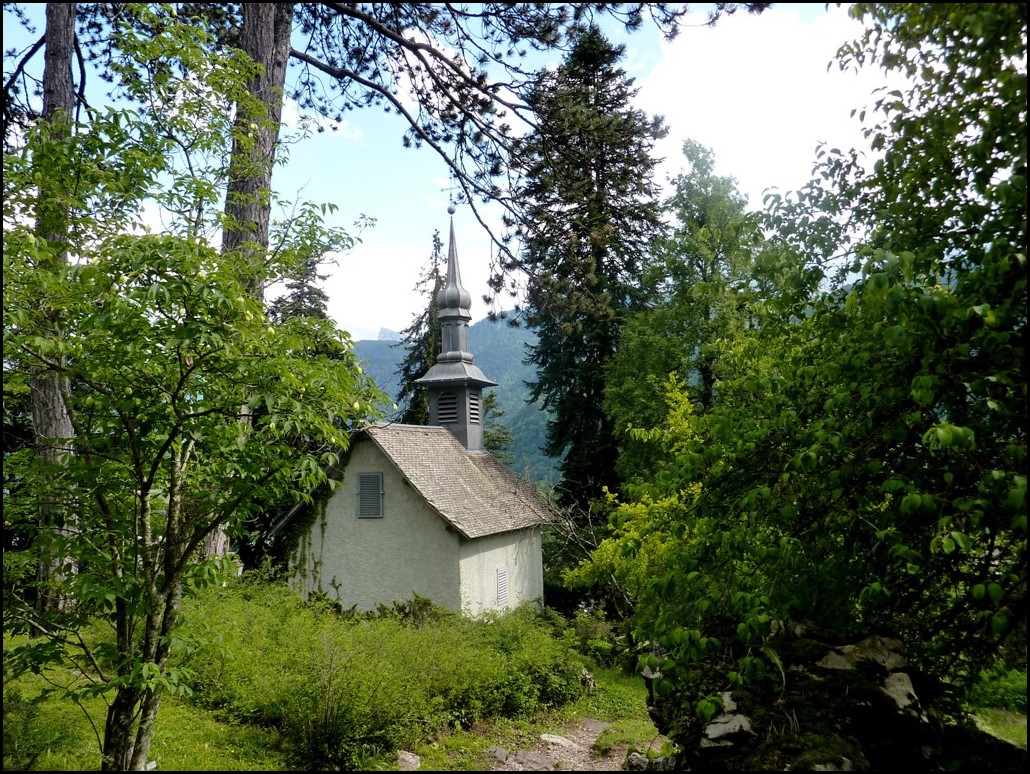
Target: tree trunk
118	747
51	422
248	202
266	40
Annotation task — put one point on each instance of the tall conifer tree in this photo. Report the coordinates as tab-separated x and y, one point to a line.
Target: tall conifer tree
589	217
421	340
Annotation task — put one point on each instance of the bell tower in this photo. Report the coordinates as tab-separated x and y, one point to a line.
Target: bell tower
455	383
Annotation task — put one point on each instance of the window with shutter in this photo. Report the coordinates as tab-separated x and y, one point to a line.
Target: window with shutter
502	585
370	495
474	408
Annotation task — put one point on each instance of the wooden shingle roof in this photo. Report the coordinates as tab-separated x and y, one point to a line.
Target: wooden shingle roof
473	491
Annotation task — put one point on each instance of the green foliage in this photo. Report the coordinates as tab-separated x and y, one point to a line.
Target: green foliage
497	438
862	466
163	352
308	242
595	636
421	341
1000	688
33	729
704	283
344	687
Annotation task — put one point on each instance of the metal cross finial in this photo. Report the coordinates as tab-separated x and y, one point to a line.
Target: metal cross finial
455	199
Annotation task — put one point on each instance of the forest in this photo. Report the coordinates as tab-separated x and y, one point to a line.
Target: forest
808	418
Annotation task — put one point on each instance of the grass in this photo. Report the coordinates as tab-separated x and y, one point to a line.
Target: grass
297	683
447	690
43	732
189	738
1004	724
619	699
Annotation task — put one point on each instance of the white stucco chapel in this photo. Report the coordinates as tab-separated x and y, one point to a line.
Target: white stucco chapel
426	510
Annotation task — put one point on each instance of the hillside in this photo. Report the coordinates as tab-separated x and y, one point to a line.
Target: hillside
499	350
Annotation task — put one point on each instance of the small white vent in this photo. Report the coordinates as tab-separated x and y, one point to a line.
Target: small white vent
474	408
370	495
502	585
447	408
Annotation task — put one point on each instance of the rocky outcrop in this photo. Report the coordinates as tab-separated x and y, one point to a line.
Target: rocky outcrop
839	707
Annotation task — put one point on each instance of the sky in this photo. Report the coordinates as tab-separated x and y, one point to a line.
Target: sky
757	90
754	89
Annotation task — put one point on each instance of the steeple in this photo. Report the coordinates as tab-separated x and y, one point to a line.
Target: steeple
455	383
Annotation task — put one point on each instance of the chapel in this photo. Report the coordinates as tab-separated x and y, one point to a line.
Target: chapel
427	511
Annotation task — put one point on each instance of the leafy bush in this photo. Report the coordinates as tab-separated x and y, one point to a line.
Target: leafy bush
596	636
348	687
21	716
43	729
1000	688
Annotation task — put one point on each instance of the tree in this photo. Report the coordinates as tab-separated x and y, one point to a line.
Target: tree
163	344
705	276
421	340
870	474
53	432
309	243
300	246
589	218
497	438
454	75
265	39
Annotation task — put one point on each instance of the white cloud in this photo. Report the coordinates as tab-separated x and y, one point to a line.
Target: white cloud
757	91
293	122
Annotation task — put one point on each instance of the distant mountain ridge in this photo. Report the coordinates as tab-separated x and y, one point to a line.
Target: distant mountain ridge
499	350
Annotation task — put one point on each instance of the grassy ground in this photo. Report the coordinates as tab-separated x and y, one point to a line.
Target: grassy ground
59	738
43	732
619	699
1004	724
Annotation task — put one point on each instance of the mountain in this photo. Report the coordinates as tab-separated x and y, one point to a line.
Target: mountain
499	349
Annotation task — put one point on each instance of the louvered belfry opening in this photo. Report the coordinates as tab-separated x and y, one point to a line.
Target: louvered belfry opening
448	408
454	383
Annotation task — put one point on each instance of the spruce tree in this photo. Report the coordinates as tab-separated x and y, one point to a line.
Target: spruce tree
421	341
497	437
303	296
589	217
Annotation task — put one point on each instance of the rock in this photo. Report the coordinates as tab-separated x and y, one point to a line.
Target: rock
407	761
557	741
637	762
840	707
498	752
535	761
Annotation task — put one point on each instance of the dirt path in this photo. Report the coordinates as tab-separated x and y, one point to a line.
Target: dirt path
572	750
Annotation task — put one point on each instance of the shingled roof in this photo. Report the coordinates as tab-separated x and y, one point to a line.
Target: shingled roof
473	491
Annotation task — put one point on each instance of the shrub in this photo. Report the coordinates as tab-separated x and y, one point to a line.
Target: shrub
596	636
1000	688
348	687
